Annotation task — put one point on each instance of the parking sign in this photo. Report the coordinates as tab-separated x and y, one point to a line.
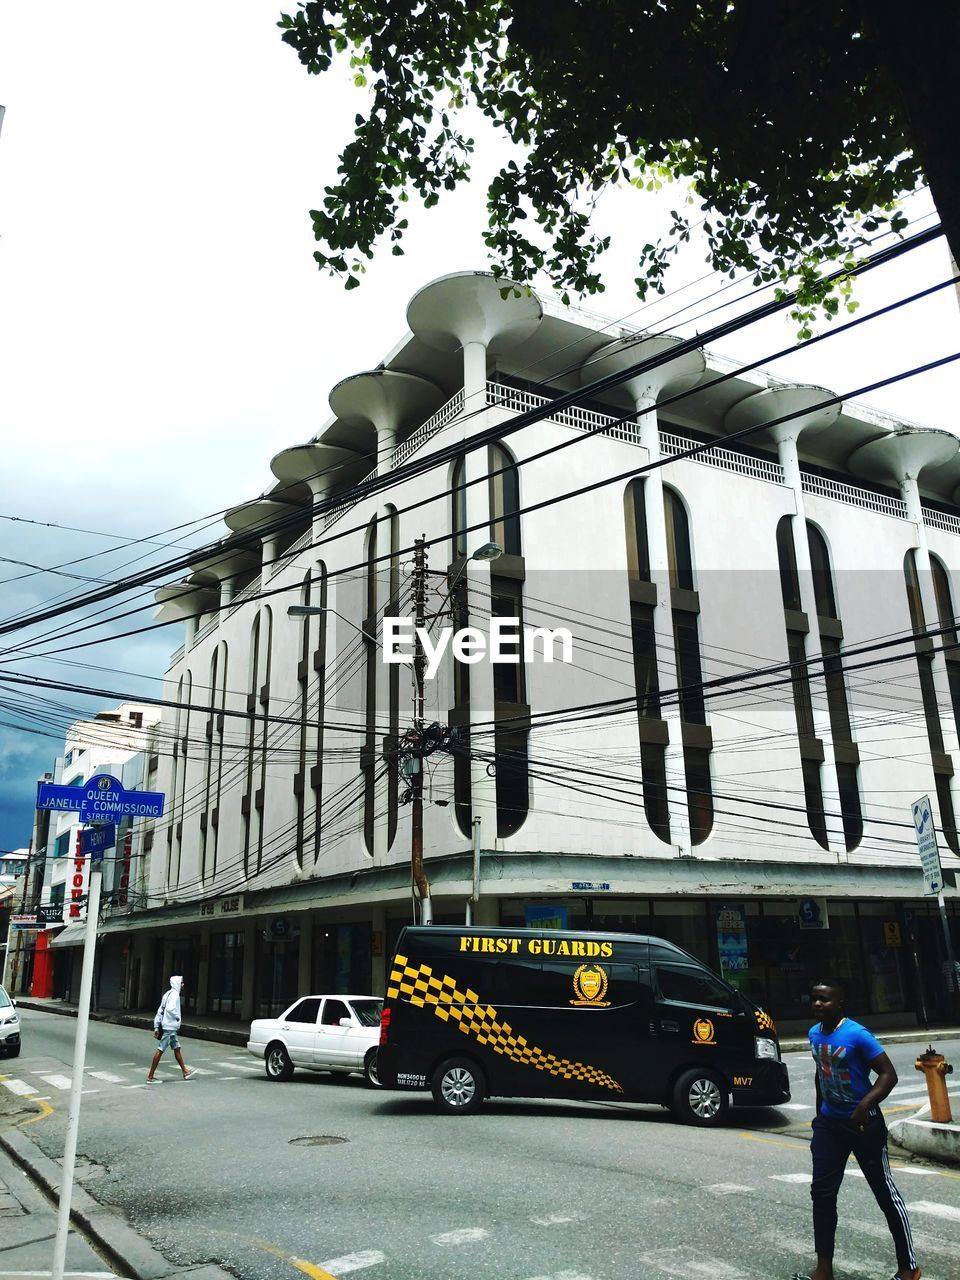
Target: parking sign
927	844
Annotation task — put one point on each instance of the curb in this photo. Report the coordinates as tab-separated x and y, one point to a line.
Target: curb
924	1137
113	1236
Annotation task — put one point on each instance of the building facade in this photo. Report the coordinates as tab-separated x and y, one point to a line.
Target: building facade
760	678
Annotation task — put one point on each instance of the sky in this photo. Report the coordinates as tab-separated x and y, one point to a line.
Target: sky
164	330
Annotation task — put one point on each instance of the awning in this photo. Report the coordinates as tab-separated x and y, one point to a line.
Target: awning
72	935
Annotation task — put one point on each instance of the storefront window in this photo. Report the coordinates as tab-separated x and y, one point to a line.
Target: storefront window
277	972
685	925
226	972
883	949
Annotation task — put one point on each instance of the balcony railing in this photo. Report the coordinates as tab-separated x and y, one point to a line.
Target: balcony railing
743	464
252	589
284	558
446	413
210	625
941	520
853	495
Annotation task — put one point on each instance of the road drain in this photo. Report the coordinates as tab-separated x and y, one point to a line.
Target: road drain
318	1140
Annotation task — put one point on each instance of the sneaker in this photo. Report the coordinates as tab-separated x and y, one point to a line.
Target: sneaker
188	1075
153	1080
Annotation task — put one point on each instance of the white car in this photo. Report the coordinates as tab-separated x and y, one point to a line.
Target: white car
10	1026
320	1033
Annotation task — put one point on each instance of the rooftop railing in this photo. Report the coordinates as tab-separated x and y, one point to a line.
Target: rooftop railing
853	495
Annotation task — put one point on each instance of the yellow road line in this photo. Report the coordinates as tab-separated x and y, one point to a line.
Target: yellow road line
45	1110
307	1268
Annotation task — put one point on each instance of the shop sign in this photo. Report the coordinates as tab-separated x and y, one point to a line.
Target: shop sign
52	914
280	927
542	915
812	913
24	922
731	920
590	886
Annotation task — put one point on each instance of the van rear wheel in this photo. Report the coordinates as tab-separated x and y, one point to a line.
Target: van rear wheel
458	1087
700	1097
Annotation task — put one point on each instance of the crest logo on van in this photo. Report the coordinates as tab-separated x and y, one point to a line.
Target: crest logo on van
703	1031
590	985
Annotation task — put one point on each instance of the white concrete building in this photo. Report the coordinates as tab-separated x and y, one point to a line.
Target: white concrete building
764	824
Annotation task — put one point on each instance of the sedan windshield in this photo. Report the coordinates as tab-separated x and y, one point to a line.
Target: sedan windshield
368	1012
5	1000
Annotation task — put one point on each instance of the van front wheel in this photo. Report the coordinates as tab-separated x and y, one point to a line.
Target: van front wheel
458	1087
700	1098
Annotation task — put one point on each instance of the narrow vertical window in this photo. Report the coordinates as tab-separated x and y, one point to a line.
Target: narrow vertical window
393	677
303	684
252	687
942	766
653	766
686	639
206	838
369	627
320	666
263	698
218	765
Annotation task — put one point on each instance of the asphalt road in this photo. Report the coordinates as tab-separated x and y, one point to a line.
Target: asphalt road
322	1177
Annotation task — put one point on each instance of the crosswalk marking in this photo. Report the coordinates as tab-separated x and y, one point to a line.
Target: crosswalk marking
791	1177
935	1210
553	1220
19	1087
353	1262
236	1066
108	1076
729	1189
465	1235
56	1082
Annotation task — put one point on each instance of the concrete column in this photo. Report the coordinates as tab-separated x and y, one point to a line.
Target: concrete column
474	377
386	443
486	911
190	630
248	994
378	963
668	674
786	437
203	972
305	954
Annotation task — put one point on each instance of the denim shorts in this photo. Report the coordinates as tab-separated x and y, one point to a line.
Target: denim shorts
168	1041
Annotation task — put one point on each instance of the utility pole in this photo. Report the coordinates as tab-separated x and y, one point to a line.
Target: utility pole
15	970
414	761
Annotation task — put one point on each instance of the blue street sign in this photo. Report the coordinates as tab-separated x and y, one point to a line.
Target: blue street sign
100	799
94	840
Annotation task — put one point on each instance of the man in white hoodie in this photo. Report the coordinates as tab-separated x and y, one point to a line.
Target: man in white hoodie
166	1024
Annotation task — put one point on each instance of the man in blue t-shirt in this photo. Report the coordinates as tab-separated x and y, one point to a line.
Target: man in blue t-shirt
849	1121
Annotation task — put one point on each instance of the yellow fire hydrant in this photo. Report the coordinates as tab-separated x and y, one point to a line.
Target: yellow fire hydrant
936	1068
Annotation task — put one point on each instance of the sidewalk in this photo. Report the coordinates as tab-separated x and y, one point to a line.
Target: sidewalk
204	1027
29	1218
28	1227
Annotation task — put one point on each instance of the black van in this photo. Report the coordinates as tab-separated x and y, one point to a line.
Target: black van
531	1013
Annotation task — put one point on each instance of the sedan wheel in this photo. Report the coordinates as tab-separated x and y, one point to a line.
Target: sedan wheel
370	1077
277	1062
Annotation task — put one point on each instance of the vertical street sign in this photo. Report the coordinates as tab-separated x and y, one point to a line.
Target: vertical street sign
927	844
933	878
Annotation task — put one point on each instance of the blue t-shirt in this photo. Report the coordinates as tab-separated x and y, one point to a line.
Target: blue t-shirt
843	1069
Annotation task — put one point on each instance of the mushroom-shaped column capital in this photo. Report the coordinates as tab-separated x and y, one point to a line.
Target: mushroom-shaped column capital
802	405
901	455
318	465
179	600
248	517
466	307
388	400
679	373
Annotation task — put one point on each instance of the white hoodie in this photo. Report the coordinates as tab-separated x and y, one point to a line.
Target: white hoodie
168	1015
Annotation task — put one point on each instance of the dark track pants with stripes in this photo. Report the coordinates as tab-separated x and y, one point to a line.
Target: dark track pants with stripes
833	1142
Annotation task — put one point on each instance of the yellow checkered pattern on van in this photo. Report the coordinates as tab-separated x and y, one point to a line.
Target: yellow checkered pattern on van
764	1021
425	990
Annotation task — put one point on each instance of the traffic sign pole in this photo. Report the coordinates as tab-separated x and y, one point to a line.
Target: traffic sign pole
954	982
79	1057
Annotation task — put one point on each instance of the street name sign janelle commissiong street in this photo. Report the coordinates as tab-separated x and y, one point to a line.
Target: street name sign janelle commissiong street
927	845
101	799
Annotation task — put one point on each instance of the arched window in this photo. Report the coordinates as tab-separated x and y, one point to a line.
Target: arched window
679	556
253	685
206	829
458	500
504	500
811	751
820	572
303	682
653	766
183	746
218	763
942	771
320	666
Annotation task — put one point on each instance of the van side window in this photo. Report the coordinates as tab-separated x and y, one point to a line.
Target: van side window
693	986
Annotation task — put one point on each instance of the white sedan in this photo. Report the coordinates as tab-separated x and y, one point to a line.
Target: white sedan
10	1026
320	1033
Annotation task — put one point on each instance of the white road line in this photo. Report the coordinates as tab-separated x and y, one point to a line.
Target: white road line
128	1064
563	1275
912	1168
791	1177
352	1262
19	1087
238	1066
56	1082
465	1235
135	1086
729	1189
935	1210
554	1219
795	1106
84	1091
106	1075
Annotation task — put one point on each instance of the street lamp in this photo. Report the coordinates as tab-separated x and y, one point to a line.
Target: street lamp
313	610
